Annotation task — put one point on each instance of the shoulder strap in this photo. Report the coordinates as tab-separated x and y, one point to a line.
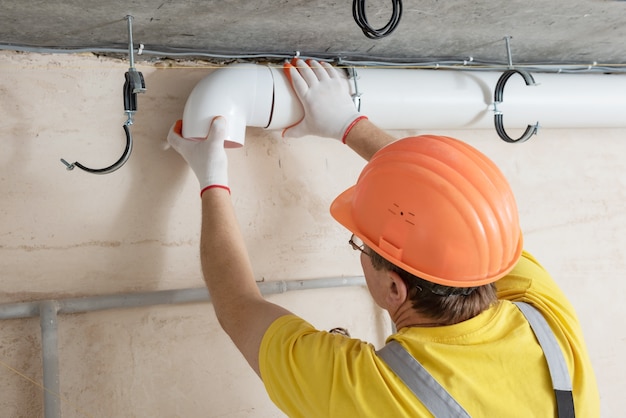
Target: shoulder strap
561	381
441	404
432	395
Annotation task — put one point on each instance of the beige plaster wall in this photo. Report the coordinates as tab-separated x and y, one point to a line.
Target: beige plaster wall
71	233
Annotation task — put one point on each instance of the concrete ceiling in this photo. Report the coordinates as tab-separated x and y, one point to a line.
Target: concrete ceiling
542	31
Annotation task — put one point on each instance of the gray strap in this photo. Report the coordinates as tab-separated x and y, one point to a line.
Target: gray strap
439	402
432	395
561	381
549	345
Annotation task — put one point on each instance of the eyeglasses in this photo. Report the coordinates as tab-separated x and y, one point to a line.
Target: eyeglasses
356	244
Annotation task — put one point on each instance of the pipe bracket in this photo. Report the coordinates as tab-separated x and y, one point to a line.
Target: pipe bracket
134	83
113	167
498	98
356	96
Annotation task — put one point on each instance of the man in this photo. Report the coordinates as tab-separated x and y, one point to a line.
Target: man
437	228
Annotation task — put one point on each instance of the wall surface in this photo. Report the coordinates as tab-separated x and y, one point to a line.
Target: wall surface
71	233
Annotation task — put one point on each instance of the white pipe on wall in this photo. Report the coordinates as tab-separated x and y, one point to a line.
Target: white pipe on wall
260	96
242	93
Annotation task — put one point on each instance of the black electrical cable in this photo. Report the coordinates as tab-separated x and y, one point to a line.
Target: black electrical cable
358	12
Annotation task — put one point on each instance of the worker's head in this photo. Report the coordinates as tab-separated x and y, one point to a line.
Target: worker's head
437	209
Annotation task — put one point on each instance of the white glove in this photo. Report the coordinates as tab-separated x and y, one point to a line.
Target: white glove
207	158
323	91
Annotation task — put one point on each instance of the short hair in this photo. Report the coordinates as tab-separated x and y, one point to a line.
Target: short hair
447	305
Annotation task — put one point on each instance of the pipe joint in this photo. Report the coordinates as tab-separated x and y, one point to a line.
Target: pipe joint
240	93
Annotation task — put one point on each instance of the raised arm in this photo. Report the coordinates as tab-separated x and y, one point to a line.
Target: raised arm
365	138
239	306
329	110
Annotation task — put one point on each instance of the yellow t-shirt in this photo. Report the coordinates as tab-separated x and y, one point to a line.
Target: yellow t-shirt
491	364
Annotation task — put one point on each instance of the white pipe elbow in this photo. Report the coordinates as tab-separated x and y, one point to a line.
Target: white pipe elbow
247	95
240	93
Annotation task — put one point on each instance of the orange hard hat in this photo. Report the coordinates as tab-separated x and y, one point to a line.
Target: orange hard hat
437	208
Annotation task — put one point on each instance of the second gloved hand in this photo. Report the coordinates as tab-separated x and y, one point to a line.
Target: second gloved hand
323	91
207	158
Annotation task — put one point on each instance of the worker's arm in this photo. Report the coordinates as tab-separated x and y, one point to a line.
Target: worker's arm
329	110
238	303
240	308
365	138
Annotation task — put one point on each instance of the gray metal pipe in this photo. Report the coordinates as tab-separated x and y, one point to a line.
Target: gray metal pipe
50	359
164	297
19	310
48	311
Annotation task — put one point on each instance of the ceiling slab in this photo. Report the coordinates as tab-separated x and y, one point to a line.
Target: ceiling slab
542	31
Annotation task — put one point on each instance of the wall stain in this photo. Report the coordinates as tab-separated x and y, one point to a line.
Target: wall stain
102	244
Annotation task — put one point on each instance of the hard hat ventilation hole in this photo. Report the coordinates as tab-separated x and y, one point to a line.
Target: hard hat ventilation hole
395	210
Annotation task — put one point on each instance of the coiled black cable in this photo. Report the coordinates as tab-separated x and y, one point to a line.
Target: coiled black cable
358	12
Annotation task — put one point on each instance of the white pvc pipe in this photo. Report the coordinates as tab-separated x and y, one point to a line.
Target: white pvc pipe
241	93
260	96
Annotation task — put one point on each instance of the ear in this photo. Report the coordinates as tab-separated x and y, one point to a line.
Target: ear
397	291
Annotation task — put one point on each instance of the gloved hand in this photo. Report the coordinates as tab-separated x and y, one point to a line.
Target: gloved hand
323	91
207	158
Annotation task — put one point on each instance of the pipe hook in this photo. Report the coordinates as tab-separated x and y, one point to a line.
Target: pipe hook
134	83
